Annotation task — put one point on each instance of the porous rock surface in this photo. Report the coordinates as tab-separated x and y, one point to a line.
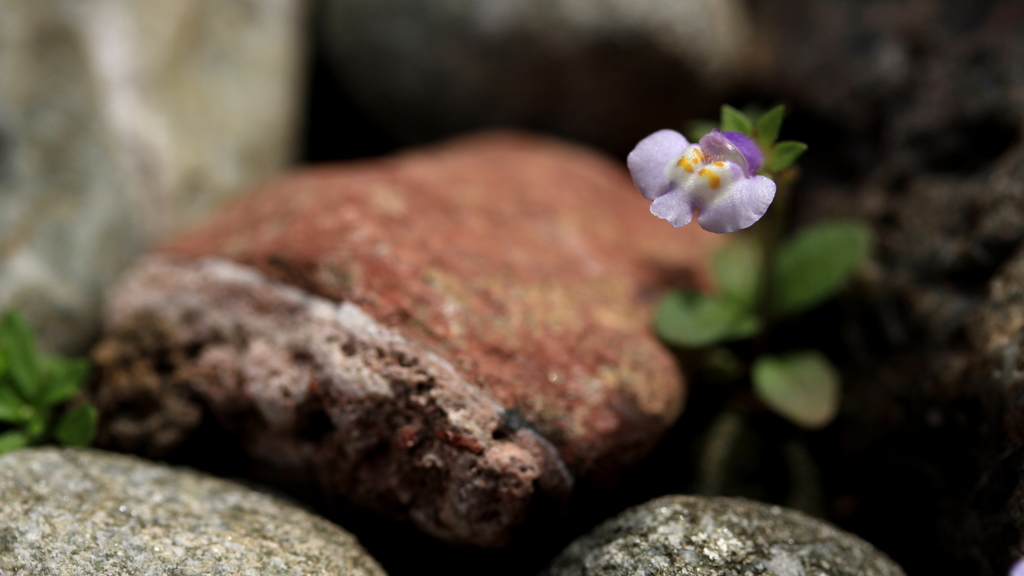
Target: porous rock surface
86	512
698	536
454	336
996	377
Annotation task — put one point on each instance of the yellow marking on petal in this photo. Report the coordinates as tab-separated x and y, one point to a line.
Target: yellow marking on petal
720	164
699	155
713	180
685	165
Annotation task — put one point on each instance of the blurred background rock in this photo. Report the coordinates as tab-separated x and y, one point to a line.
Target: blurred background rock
606	72
122	121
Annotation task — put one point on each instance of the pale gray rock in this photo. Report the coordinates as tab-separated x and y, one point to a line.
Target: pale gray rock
603	71
698	536
122	121
86	512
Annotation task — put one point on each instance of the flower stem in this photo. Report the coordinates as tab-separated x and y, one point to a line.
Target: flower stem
771	229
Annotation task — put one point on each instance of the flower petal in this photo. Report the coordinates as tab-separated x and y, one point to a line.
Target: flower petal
750	150
740	205
648	162
675	206
721	149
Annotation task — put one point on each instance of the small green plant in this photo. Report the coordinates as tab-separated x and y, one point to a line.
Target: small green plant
763	278
35	388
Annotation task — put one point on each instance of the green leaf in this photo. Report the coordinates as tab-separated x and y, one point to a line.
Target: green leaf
802	387
13	409
12	440
696	129
737	268
783	155
18	348
768	126
735	121
77	427
37	424
816	263
693	320
62	379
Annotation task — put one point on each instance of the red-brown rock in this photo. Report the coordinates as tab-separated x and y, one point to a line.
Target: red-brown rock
449	336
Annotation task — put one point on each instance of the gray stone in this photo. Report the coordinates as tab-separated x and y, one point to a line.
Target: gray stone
603	71
121	121
84	512
697	536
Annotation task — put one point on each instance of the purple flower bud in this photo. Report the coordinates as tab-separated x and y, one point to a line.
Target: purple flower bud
715	178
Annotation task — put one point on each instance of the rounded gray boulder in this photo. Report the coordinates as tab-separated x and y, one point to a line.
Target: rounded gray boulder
86	512
698	536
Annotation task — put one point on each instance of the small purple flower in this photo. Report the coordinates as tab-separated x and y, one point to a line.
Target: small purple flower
715	178
1018	568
